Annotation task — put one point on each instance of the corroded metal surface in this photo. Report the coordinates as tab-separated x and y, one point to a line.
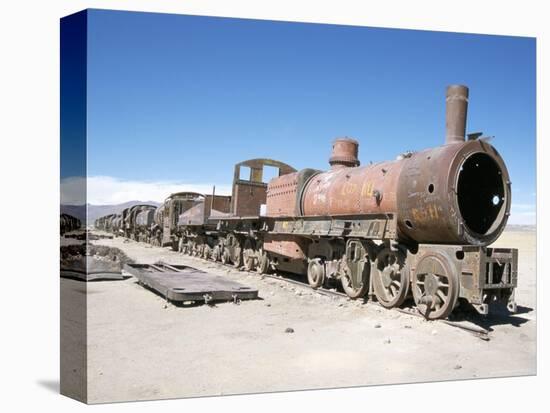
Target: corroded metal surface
353	191
290	246
174	206
249	194
345	152
456	113
469	203
145	218
198	214
284	193
440	274
183	283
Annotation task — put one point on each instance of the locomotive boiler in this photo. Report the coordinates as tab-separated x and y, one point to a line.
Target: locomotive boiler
423	221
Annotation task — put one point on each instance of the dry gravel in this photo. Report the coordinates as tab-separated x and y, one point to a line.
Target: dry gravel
140	347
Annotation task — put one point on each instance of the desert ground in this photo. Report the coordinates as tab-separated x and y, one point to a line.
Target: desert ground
141	347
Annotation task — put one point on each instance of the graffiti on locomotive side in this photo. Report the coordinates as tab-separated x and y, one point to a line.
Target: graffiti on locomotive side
349	188
368	189
424	214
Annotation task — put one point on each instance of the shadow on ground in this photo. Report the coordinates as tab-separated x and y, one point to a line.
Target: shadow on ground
499	316
51	385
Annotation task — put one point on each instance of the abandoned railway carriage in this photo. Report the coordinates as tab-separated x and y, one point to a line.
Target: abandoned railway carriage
226	228
136	229
144	223
419	225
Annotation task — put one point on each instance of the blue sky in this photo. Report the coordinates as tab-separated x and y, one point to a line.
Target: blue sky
175	98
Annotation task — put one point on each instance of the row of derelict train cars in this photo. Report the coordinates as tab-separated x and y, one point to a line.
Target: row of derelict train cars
419	225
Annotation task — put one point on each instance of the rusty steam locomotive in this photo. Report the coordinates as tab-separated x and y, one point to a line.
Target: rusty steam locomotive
419	225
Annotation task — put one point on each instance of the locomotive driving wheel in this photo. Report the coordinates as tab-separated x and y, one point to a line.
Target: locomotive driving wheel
316	273
391	278
215	256
263	261
237	256
200	250
225	257
249	255
194	249
355	270
175	244
435	286
351	290
189	248
233	247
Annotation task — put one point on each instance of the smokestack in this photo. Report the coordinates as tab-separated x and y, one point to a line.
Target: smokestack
344	153
456	112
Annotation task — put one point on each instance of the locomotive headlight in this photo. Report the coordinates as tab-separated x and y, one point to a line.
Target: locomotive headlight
481	193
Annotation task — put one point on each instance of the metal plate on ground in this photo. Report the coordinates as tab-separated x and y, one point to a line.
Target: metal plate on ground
90	276
91	268
183	283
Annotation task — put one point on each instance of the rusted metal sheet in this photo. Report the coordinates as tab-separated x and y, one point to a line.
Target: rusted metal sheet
174	206
159	215
183	283
250	194
281	196
193	216
290	246
283	193
353	191
133	213
198	214
371	227
145	218
217	205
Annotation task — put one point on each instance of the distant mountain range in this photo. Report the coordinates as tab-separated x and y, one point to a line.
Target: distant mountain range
96	211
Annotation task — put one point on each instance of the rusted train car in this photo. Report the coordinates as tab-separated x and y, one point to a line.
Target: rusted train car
134	228
143	224
215	226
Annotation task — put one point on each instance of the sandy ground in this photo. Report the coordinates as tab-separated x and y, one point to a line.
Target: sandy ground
140	347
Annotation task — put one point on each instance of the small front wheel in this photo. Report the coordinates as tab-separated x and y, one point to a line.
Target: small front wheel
316	273
264	264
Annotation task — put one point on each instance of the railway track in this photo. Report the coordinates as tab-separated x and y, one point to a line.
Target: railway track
468	327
